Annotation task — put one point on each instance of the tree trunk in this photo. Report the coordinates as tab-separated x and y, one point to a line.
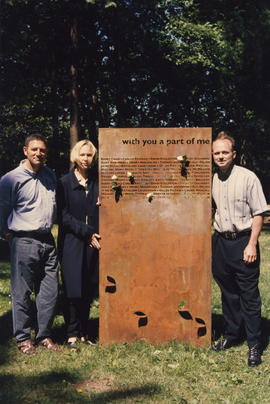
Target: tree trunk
74	113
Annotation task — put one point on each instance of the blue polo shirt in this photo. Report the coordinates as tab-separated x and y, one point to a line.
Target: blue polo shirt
27	200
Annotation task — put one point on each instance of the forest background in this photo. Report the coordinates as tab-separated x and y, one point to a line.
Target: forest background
69	67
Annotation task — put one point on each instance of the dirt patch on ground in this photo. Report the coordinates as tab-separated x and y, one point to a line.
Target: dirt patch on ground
97	386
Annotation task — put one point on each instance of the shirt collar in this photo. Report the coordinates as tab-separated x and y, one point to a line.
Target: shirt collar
83	182
225	176
32	173
92	175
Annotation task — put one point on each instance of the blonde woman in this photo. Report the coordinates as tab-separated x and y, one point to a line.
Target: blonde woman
79	241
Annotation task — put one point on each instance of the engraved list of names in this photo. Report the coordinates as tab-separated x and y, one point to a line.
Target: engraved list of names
161	175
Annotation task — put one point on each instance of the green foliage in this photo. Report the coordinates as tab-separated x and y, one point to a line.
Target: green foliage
138	63
110	4
225	46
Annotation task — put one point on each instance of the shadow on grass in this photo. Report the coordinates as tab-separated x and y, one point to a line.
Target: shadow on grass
4	272
218	326
93	328
218	329
265	332
4	250
136	392
50	386
5	327
5	336
60	387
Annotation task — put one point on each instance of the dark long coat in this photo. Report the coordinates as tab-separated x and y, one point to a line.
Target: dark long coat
79	262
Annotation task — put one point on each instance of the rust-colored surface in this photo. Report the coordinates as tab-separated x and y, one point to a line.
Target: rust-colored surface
155	262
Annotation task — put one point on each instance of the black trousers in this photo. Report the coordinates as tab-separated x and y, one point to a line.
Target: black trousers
76	317
241	301
76	310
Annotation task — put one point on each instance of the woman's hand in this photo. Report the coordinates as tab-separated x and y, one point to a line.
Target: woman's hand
93	241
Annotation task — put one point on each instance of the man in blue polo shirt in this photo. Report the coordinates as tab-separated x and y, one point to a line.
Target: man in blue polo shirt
27	213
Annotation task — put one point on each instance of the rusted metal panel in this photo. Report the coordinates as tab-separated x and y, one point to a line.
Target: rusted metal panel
155	223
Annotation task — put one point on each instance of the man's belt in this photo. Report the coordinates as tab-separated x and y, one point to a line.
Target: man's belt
234	235
32	234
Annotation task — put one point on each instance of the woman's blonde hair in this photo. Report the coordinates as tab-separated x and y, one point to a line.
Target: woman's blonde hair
75	152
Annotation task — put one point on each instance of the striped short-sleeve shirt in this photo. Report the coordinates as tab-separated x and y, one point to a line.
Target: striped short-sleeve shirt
238	198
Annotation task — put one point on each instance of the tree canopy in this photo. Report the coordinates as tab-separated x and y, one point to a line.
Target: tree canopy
70	67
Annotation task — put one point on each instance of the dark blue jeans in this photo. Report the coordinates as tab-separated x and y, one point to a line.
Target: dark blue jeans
33	268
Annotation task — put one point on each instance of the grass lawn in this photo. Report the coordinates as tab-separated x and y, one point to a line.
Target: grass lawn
135	373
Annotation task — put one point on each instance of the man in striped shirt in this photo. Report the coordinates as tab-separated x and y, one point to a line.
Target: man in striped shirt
240	203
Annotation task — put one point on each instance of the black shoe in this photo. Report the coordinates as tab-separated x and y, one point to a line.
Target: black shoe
87	341
254	356
224	344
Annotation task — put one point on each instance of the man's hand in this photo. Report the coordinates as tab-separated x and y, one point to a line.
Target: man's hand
7	235
93	241
250	254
